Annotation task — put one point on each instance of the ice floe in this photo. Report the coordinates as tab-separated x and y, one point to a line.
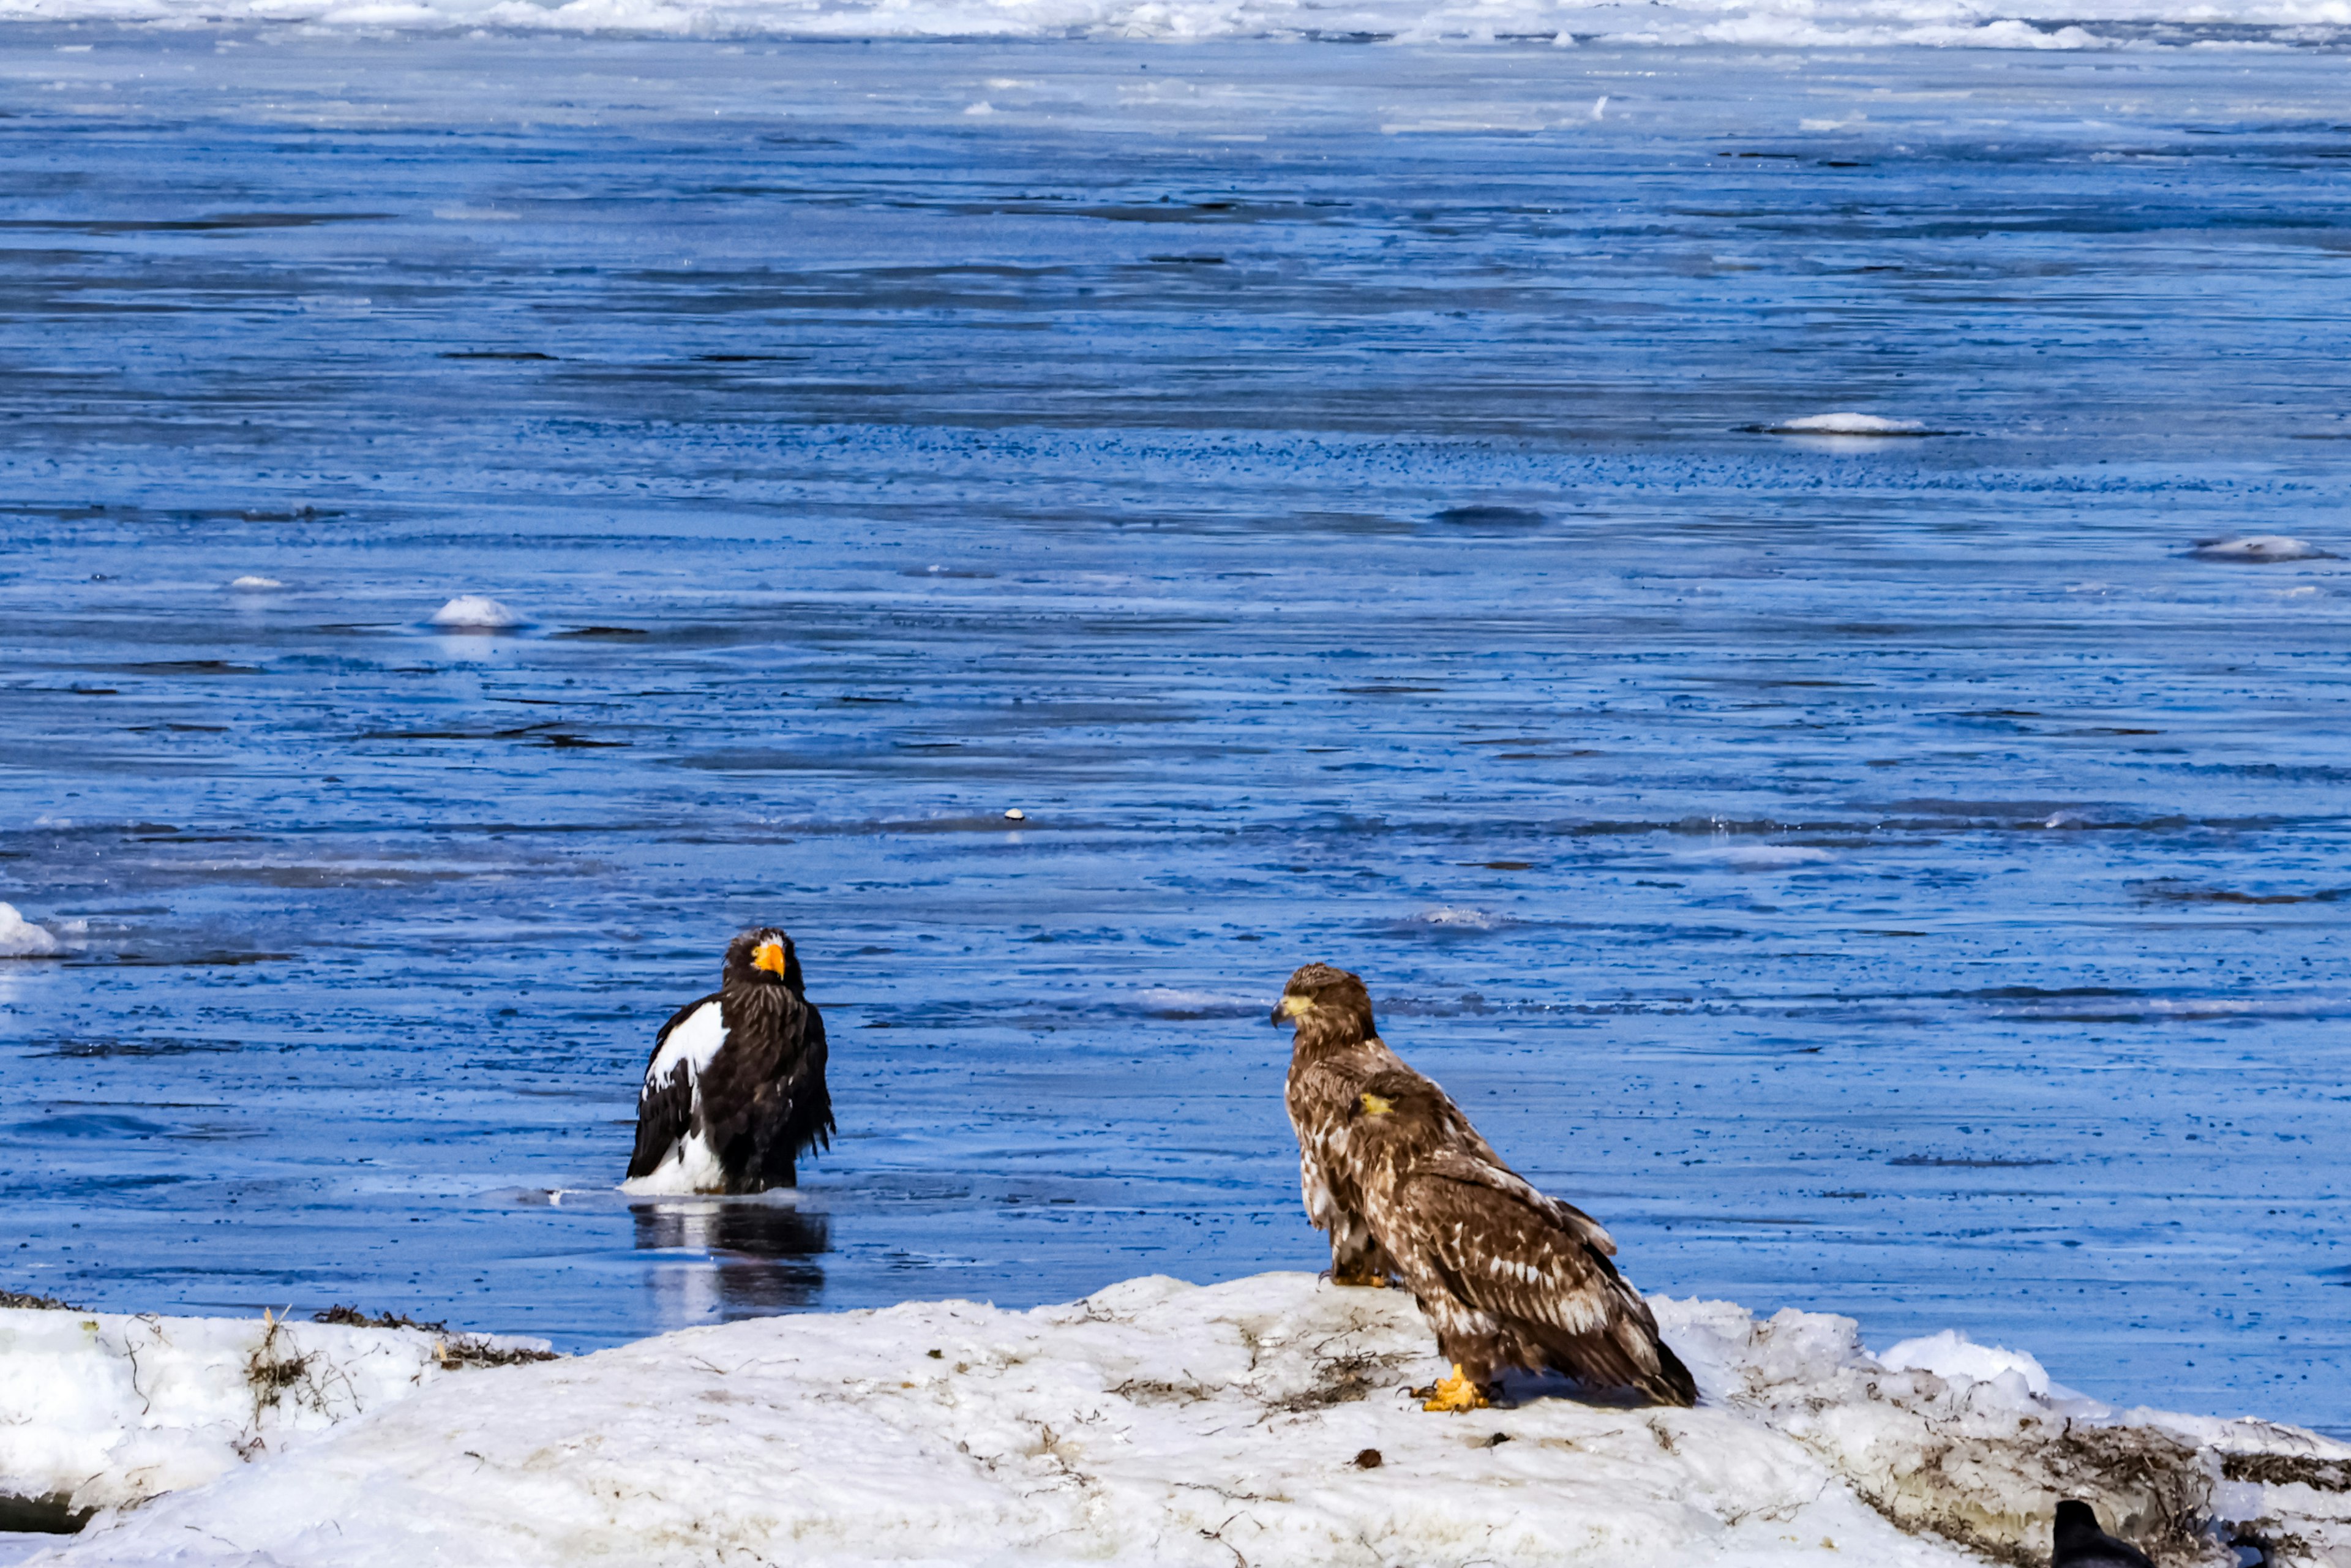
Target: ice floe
1769	857
1849	424
476	613
2259	549
1152	1422
20	938
252	584
1452	917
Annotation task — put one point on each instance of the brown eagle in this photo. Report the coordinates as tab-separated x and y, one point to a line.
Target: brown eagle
734	1093
1396	1174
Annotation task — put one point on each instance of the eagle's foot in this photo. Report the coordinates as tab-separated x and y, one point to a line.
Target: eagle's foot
1455	1394
1371	1278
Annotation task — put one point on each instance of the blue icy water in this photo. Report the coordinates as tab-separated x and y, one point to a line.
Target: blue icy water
1329	490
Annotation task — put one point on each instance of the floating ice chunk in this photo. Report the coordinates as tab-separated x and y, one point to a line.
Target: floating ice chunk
250	584
1850	424
1771	857
475	612
1462	919
20	938
1951	1355
1016	815
2260	549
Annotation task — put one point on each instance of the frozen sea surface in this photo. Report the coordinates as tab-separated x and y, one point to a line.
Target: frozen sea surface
1332	492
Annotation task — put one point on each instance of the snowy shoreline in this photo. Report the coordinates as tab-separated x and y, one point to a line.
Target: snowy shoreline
1152	1421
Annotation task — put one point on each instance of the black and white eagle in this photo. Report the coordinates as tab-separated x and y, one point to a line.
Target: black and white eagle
1395	1173
734	1093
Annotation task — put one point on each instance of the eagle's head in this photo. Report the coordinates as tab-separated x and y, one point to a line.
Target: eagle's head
762	958
1331	1003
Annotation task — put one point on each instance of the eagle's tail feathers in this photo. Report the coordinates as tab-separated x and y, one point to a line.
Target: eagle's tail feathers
1625	1354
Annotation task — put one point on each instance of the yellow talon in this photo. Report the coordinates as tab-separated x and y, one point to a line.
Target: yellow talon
1456	1393
1370	1277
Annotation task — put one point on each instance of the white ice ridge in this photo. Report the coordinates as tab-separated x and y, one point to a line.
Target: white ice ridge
20	938
98	1410
1261	1421
1850	424
252	584
474	612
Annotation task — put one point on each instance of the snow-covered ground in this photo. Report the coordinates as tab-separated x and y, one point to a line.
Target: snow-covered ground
1259	1422
98	1410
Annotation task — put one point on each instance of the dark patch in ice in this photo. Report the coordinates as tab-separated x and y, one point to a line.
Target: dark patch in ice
600	634
2165	890
88	1124
217	222
1981	1165
188	667
1489	518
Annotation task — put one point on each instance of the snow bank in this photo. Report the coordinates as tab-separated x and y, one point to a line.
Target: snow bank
1259	1422
20	938
98	1410
1952	1356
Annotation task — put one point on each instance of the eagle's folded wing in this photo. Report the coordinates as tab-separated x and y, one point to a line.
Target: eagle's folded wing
665	1103
808	1119
1501	1251
1455	1166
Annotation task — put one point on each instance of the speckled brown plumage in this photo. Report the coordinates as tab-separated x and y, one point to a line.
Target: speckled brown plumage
1393	1172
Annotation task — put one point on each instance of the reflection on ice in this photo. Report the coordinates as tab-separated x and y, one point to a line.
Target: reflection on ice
737	1257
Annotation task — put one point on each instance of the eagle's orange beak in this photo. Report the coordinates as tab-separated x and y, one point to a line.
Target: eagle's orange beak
769	957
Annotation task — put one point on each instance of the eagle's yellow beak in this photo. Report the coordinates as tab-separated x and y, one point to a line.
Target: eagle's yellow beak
1292	1007
769	957
1375	1106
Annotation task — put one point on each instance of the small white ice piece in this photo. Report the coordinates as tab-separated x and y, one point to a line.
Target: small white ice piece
1016	815
1771	857
1850	424
476	613
250	584
1951	1355
20	938
2258	548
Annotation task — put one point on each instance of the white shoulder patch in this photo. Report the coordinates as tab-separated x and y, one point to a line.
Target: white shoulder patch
694	1041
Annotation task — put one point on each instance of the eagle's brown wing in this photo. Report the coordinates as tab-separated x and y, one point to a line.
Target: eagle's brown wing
1537	1266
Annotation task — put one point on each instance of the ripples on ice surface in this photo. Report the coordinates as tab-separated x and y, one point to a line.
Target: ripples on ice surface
1885	876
